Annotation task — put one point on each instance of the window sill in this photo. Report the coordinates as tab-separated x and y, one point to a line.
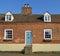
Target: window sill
47	21
47	40
7	39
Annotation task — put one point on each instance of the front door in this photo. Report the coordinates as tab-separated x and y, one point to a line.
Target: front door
28	37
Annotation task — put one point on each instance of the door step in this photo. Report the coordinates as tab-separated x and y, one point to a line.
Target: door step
28	49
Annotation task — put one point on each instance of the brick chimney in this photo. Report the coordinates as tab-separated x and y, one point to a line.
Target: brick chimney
26	10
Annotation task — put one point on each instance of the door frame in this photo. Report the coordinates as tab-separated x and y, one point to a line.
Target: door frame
25	36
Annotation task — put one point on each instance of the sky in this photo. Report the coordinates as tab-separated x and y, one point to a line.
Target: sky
38	6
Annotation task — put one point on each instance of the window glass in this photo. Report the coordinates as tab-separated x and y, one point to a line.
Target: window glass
46	18
47	34
8	34
8	17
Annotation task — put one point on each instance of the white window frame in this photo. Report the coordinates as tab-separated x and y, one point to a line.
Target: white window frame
25	36
47	14
48	19
7	18
44	34
5	34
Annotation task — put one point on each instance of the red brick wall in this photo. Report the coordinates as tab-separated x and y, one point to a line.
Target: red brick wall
37	29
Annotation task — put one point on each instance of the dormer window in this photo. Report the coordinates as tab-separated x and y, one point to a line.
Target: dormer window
47	17
9	17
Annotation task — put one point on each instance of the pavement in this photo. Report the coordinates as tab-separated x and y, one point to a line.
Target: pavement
33	54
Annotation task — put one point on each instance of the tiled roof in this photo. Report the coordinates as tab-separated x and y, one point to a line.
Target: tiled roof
30	18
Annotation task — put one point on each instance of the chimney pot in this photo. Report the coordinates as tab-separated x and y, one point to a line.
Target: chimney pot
27	5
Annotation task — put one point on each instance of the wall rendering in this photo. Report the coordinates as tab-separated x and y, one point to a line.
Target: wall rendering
35	47
12	47
45	47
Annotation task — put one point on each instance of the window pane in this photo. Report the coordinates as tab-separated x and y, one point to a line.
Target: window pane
9	17
10	36
48	34
46	18
8	33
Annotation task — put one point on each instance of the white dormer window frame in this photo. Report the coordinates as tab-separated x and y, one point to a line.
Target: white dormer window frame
47	17
9	17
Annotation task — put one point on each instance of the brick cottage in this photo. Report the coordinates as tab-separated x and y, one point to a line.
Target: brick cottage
41	31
